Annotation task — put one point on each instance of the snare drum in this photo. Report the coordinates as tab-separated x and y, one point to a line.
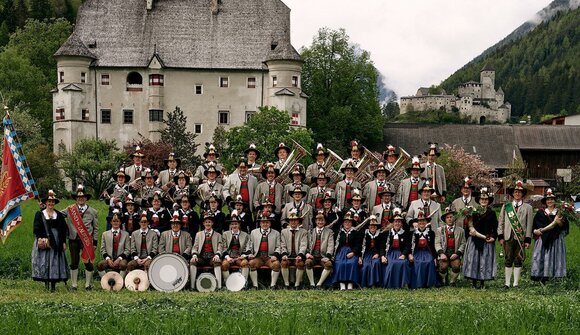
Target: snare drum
168	273
235	282
206	282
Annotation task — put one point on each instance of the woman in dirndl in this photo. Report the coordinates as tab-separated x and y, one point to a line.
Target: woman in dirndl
397	273
479	260
371	272
347	252
549	254
48	252
423	255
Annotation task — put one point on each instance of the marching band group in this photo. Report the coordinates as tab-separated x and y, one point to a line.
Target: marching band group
369	223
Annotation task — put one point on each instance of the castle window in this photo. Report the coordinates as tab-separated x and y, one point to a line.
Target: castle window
295	119
224	82
223	117
155	115
83	77
128	116
106	116
134	82
294	81
59	114
274	81
105	79
249	115
252	82
61	77
198	89
85	114
198	128
155	80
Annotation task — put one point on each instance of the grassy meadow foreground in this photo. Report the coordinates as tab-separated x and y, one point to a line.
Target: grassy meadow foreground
532	309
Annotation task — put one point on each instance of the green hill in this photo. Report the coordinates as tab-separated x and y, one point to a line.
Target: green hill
539	73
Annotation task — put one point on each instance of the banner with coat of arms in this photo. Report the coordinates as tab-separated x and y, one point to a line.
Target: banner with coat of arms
16	182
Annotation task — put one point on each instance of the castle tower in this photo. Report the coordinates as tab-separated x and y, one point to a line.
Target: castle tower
487	80
74	112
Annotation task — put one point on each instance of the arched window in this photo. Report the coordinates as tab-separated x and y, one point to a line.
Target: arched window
482	119
134	82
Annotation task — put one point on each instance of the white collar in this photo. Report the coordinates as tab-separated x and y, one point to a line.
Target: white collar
45	213
176	234
517	203
116	231
385	206
208	232
548	212
265	232
144	231
373	235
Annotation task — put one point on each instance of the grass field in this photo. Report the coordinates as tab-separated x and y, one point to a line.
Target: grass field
532	309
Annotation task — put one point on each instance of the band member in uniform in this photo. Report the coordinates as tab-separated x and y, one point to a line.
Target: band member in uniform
344	187
267	209
130	218
235	244
242	183
297	176
182	186
210	186
347	250
299	204
331	212
158	216
313	170
49	250
479	263
175	240
384	210
320	250
372	189
115	247
409	187
435	172
430	208
423	255
549	253
189	218
397	247
316	194
147	190
135	170
371	272
356	150
90	223
165	180
270	189
281	152
264	249
467	199
390	156
207	250
450	246
356	209
213	207
244	215
210	155
516	220
252	155
116	193
293	247
144	245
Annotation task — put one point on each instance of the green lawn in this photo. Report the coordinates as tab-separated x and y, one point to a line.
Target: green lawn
26	308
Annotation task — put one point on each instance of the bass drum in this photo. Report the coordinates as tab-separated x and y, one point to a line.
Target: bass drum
235	282
206	282
168	273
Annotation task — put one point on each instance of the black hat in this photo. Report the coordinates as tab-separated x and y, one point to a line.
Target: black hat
155	196
210	150
320	151
211	167
269	167
172	158
50	196
298	169
349	165
421	216
518	185
389	188
216	197
391	150
252	147
238	200
207	216
149	174
137	153
243	161
297	190
356	194
280	147
234	217
175	218
468	183
321	175
415	164
381	167
432	150
265	203
181	174
80	192
549	194
121	172
129	200
448	210
355	145
484	193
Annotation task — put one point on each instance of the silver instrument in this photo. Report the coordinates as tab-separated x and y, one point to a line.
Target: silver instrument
168	273
206	282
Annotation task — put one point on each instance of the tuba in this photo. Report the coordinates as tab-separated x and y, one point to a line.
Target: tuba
332	159
398	173
365	167
298	152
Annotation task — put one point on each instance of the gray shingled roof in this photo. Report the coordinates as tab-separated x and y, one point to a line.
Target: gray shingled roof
73	46
487	67
185	33
496	144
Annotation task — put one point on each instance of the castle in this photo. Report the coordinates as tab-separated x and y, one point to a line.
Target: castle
130	62
480	101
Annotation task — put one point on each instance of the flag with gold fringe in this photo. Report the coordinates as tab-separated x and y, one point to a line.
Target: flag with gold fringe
16	182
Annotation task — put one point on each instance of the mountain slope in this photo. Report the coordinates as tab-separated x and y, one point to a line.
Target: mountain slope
539	73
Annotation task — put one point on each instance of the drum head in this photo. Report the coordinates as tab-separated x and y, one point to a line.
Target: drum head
235	282
206	282
137	281
168	273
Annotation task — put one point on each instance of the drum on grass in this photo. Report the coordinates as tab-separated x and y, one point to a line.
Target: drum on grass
168	273
137	281
206	282
112	281
235	282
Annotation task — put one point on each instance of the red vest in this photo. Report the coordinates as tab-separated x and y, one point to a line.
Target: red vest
450	239
272	194
175	244
207	246
244	191
414	194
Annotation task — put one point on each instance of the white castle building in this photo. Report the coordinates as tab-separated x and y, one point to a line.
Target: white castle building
130	62
478	100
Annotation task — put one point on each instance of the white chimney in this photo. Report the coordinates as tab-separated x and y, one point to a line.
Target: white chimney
215	7
149	4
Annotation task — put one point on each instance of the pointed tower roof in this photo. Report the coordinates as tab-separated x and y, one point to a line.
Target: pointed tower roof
500	91
487	67
74	47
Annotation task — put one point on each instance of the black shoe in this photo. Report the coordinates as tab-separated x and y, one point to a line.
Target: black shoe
89	288
506	287
73	288
453	284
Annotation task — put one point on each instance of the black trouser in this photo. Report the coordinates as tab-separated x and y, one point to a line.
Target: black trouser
76	247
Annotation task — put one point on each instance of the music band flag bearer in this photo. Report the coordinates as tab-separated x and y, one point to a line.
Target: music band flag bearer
115	248
516	220
207	250
83	229
293	245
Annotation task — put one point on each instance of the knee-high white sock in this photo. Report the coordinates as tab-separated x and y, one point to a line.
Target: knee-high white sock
123	273
508	276
254	277
342	286
74	277
310	275
88	278
349	286
285	276
225	275
192	276
325	274
299	275
102	274
274	277
245	273
217	271
517	276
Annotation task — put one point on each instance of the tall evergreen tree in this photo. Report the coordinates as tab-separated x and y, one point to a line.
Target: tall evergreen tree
40	9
